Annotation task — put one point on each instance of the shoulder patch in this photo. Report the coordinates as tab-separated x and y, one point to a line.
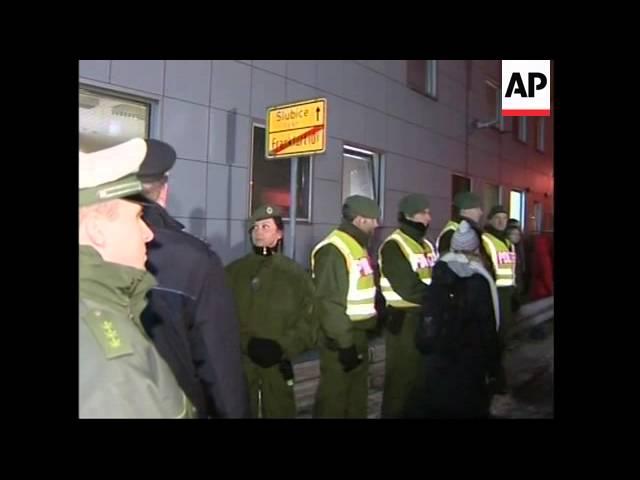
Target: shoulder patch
104	329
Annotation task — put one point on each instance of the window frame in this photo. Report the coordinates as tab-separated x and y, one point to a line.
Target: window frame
308	219
151	104
523	130
540	134
499	125
377	171
500	192
431	79
538	212
523	206
453	194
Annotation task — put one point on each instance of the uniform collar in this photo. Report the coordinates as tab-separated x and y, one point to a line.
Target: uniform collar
502	236
417	231
155	215
358	235
265	251
121	287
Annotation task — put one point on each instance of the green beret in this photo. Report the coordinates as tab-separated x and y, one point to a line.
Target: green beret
265	211
497	209
467	200
413	203
357	205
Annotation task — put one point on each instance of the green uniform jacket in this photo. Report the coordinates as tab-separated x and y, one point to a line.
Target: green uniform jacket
274	299
404	281
332	285
121	373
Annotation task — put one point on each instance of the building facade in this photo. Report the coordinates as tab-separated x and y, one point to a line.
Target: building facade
394	127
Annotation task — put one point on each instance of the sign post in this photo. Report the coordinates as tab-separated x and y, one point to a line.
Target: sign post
290	249
294	130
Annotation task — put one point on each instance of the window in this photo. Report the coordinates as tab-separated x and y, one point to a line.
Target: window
361	173
494	104
422	76
522	129
271	179
431	87
517	206
540	134
491	197
538	218
458	184
106	120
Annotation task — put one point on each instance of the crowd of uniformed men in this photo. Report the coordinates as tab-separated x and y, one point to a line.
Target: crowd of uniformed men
166	331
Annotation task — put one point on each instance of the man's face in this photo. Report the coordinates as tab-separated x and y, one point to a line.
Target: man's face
423	217
367	225
474	214
125	236
265	233
499	221
514	235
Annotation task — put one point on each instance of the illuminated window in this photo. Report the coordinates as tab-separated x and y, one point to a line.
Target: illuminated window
106	120
517	206
271	179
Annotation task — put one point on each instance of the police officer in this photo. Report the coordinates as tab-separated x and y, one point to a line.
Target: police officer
468	207
406	259
121	374
503	260
345	286
190	316
274	298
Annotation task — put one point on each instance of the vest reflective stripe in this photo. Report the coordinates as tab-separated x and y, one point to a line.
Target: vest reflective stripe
450	226
421	258
362	290
503	258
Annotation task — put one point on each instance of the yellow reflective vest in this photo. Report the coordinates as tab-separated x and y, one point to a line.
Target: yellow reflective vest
422	259
503	257
362	289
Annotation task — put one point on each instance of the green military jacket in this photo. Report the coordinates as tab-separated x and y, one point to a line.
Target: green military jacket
398	270
274	299
331	279
121	374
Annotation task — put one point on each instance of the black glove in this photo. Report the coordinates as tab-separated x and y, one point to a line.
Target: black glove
264	352
395	319
349	358
286	369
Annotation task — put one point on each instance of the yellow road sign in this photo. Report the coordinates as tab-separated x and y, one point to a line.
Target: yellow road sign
297	128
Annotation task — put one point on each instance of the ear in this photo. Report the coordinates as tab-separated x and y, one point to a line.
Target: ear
163	197
94	229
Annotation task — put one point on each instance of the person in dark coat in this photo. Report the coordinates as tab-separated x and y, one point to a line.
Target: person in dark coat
191	316
458	334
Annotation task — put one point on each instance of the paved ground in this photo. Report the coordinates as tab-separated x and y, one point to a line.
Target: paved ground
529	368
